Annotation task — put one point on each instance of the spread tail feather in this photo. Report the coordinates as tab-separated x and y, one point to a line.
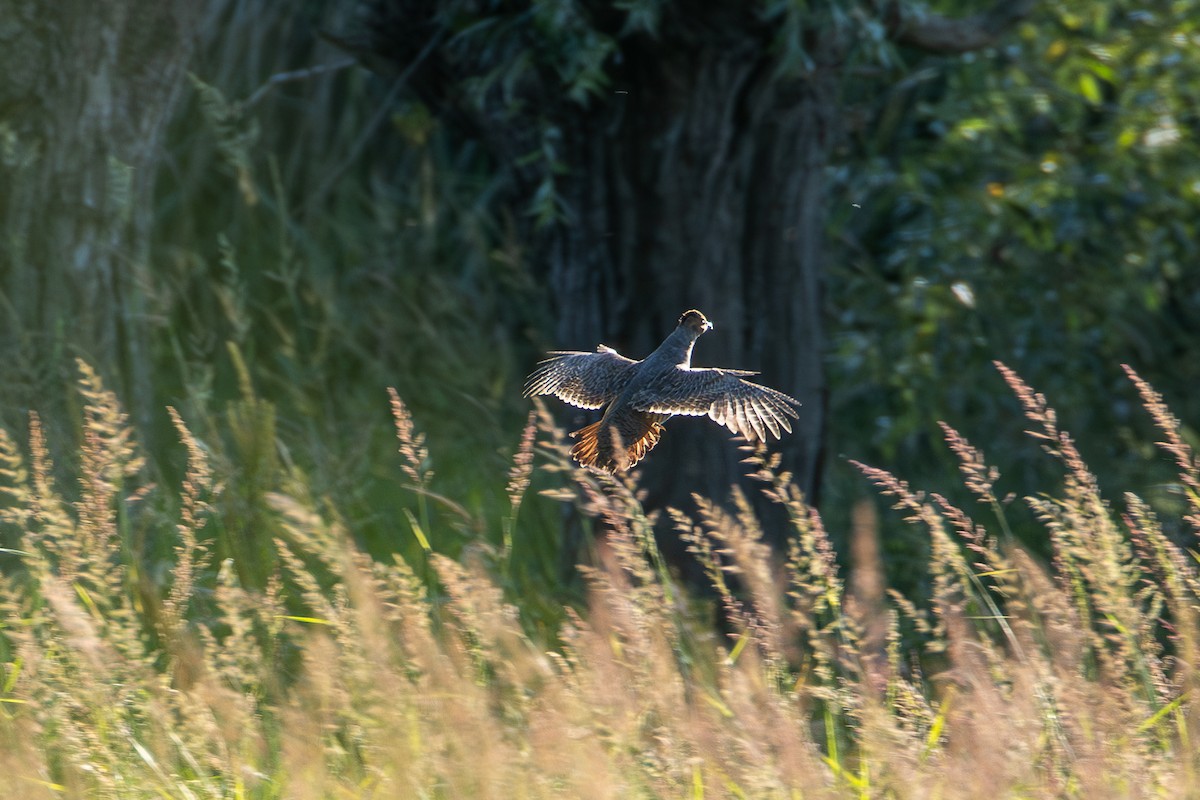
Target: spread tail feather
603	447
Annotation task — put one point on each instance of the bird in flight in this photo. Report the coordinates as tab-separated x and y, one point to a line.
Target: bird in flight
639	396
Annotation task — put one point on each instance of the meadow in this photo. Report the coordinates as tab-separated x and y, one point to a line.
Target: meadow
428	677
233	565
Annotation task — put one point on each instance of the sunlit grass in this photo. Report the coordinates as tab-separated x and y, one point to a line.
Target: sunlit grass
345	676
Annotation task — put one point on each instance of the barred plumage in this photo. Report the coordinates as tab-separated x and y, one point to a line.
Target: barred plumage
586	380
638	396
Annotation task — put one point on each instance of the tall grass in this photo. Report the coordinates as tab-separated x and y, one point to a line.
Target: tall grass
343	676
316	237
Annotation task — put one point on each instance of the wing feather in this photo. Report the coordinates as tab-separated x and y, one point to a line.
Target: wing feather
724	395
744	427
586	380
758	418
767	414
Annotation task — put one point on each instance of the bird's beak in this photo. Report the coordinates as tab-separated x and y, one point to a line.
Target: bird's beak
708	326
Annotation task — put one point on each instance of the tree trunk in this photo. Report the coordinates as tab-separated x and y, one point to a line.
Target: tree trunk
693	179
704	191
87	92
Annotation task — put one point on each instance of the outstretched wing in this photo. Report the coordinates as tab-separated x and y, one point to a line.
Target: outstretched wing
724	395
587	380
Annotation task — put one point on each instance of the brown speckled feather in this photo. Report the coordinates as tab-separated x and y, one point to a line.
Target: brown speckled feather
586	380
603	444
722	394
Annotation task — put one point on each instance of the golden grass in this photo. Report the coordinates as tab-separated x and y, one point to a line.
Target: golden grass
345	677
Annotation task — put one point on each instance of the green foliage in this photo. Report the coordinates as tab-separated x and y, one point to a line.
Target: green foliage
1036	203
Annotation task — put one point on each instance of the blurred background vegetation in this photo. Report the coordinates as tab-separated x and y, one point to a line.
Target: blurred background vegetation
312	238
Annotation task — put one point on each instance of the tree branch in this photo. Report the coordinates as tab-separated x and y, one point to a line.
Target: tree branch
919	27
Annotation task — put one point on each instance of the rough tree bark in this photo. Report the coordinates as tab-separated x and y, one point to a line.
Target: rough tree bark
695	179
704	192
88	88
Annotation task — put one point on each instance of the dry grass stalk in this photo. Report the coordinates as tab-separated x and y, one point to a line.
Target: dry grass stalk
347	677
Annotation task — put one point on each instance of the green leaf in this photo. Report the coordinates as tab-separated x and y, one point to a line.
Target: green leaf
1089	87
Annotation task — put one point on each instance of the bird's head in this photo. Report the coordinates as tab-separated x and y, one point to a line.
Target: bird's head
694	322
